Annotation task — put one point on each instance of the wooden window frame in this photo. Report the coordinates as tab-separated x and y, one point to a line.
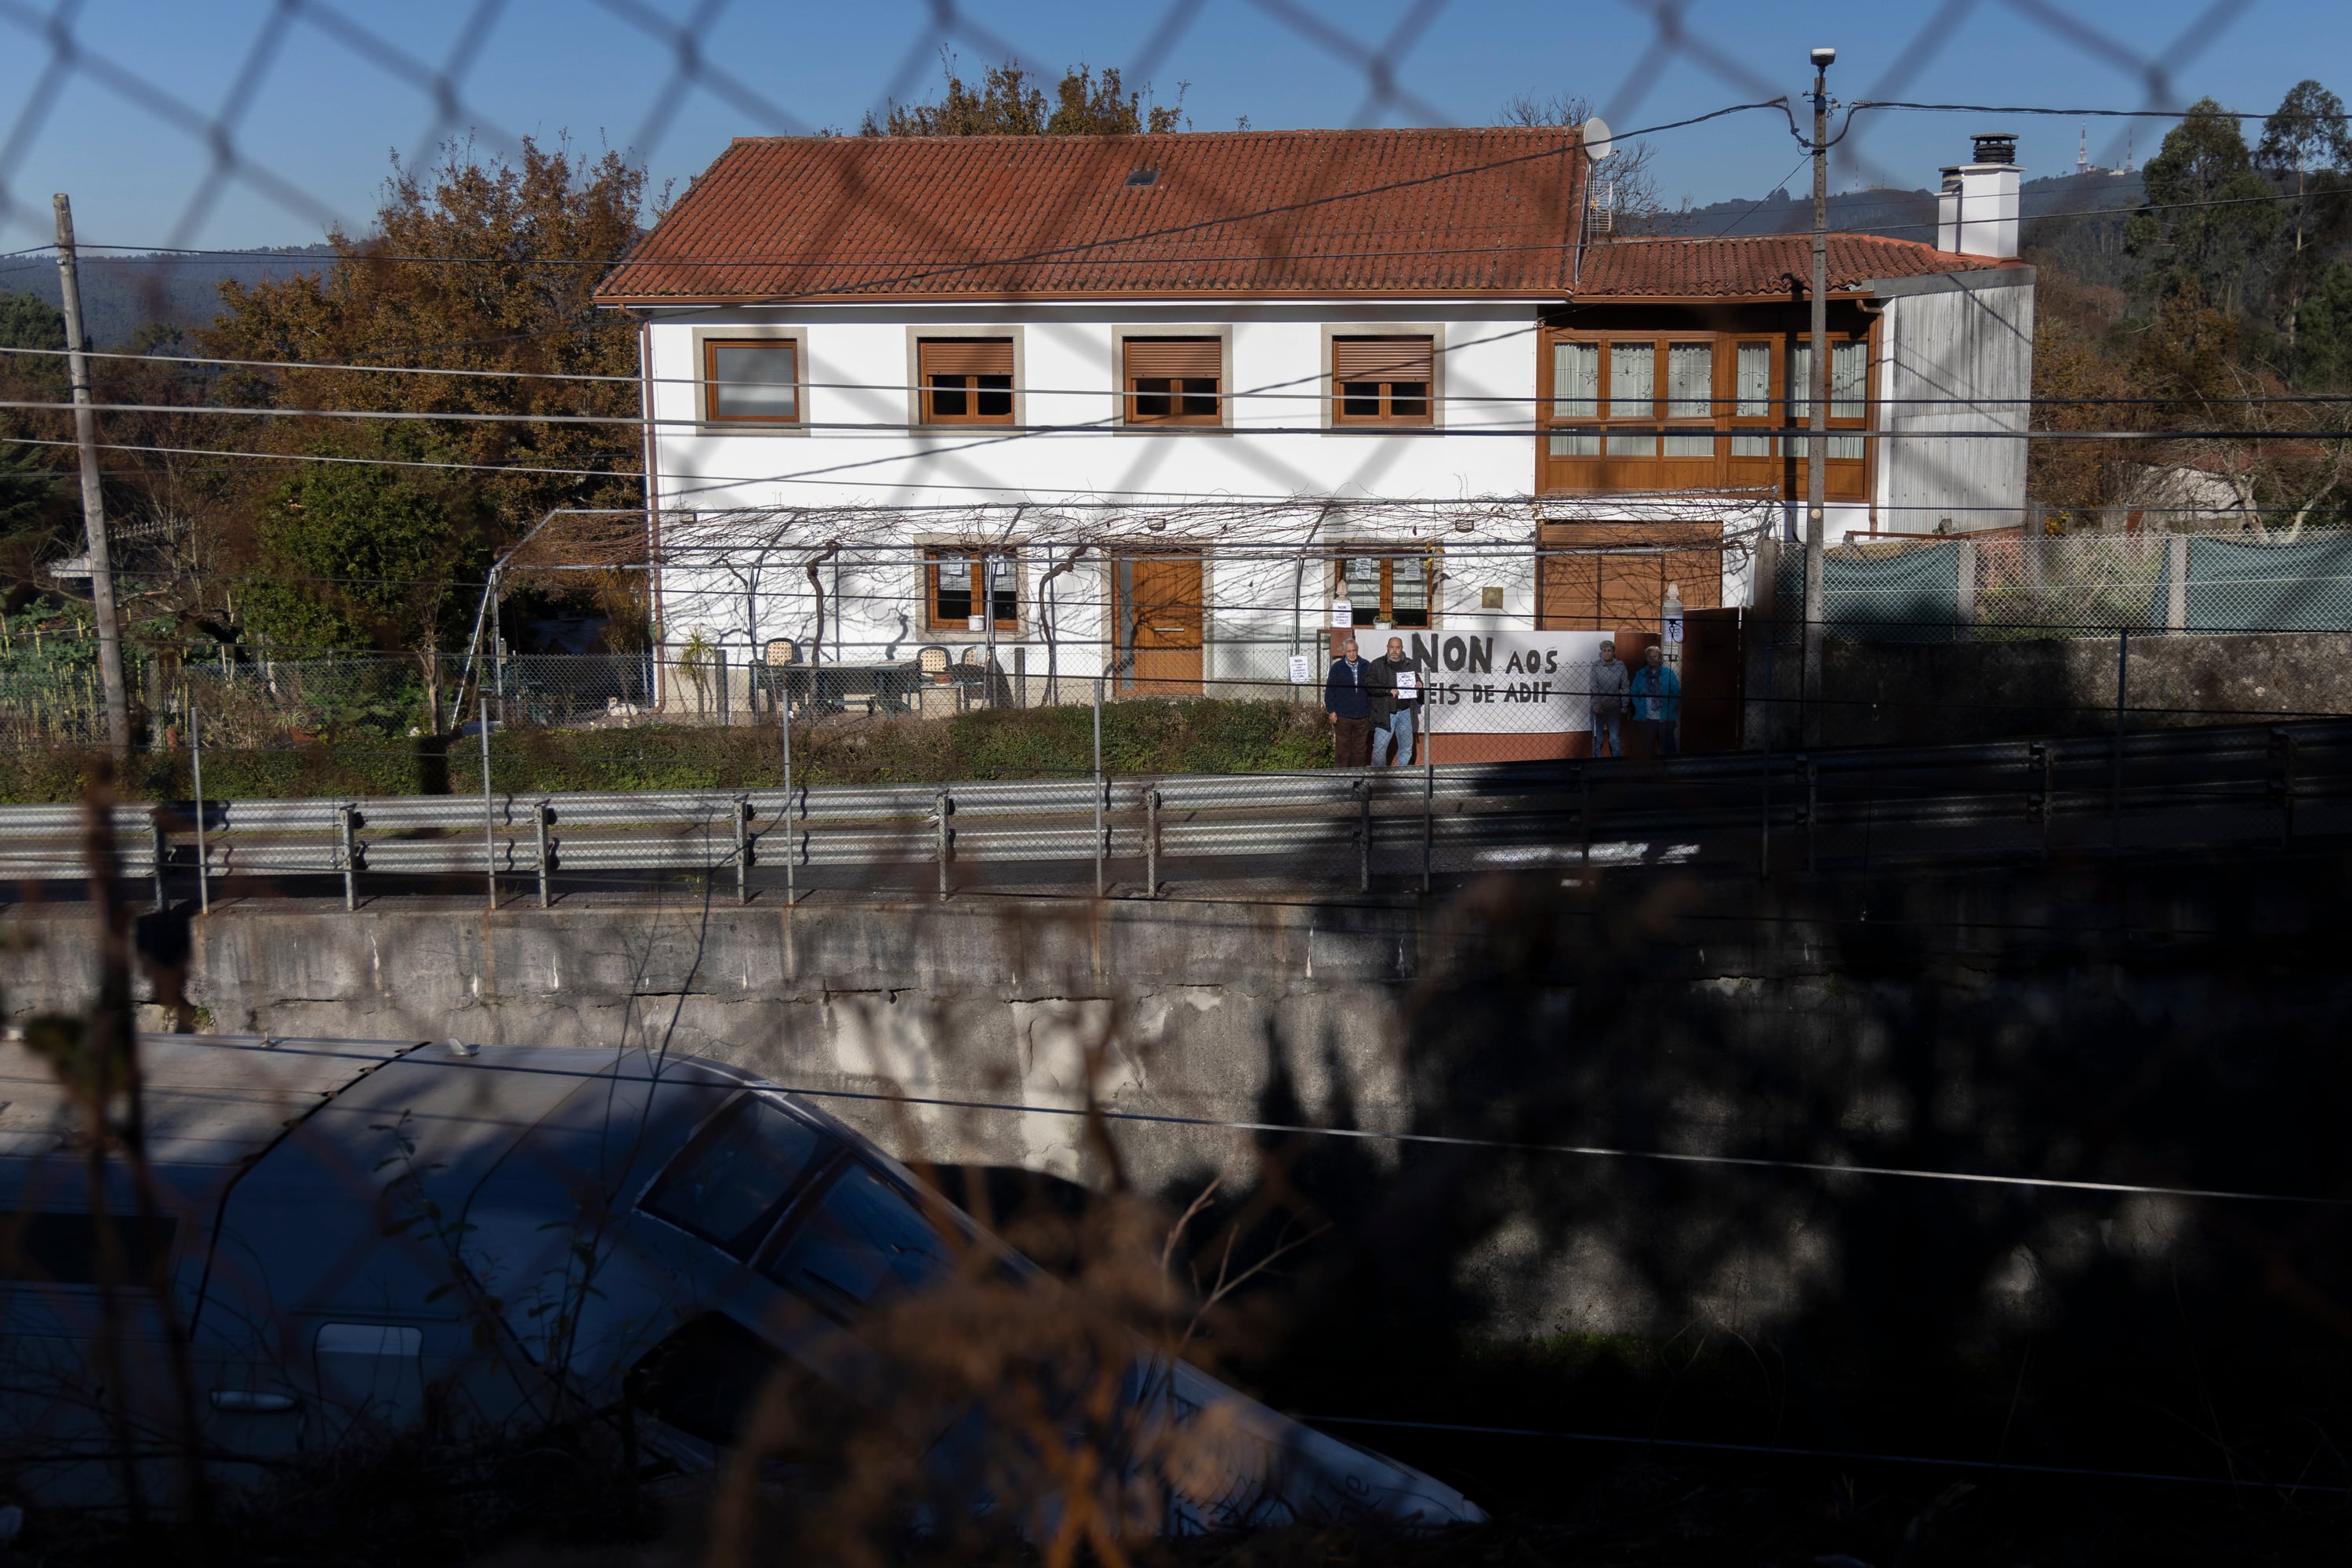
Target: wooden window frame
1132	391
1762	464
927	410
1856	425
1385	415
1388	555
1605	471
796	420
1007	587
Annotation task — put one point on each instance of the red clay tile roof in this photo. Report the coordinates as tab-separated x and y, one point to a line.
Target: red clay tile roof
1254	212
1753	266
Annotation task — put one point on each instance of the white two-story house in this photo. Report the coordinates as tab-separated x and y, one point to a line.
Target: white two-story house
1151	406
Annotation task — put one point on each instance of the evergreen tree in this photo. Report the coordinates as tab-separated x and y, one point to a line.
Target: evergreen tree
32	501
2307	149
2211	219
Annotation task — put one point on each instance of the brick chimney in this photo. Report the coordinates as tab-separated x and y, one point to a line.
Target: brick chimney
1976	214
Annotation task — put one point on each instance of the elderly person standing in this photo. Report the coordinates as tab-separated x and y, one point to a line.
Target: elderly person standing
1347	705
1393	709
1657	696
1608	686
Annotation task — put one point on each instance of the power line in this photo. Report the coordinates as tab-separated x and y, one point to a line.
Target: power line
1842	1455
1450	1141
884	428
2076	113
1567	145
2124	211
1269	391
314	457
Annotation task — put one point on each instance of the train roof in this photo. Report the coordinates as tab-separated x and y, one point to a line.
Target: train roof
209	1101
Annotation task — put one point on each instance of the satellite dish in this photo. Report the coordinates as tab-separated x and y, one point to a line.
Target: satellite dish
1597	144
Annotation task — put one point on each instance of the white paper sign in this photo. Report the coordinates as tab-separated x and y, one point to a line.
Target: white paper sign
1343	614
1674	628
1503	682
1408	683
1302	668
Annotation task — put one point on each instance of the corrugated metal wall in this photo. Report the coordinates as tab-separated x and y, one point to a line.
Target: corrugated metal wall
1957	358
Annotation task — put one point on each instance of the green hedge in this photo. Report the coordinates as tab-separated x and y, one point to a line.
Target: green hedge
1191	736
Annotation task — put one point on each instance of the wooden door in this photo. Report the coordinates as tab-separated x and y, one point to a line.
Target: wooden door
1714	679
1612	576
1159	625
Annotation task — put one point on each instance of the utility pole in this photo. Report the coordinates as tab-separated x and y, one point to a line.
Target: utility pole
93	499
1817	401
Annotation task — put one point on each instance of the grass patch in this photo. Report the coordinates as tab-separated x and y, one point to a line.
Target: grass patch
1201	735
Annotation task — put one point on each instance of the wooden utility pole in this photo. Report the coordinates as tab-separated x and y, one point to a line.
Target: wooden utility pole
93	499
1817	401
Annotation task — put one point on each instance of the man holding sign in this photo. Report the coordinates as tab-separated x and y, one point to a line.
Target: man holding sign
1392	693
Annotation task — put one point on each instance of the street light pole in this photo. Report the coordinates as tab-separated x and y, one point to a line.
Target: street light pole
93	498
1817	401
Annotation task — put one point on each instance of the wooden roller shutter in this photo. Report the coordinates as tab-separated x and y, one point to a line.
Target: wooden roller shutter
1383	359
967	356
1162	359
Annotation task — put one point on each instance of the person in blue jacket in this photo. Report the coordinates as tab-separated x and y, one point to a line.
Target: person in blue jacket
1657	698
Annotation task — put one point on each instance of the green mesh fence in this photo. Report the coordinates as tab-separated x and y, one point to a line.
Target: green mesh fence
1899	595
2242	585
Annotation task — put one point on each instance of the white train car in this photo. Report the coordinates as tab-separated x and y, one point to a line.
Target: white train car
345	1240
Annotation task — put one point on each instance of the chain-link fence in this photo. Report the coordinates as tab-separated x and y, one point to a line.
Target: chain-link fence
1226	670
440	73
2017	588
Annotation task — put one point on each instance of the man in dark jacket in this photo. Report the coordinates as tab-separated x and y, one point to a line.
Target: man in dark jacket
1348	707
1393	711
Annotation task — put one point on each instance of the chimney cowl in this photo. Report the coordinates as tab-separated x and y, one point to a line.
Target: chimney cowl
1977	212
1995	146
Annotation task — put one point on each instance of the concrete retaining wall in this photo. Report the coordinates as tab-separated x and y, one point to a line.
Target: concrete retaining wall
2053	1023
1931	693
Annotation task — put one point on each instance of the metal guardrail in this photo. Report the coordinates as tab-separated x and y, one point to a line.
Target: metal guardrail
1329	826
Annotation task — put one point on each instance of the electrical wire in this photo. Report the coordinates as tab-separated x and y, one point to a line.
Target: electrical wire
1449	1140
2119	211
885	427
2081	113
1268	392
1848	1456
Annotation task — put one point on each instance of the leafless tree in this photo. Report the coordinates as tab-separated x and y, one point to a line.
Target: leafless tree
1628	181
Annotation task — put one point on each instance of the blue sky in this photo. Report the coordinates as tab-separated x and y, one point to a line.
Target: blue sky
314	106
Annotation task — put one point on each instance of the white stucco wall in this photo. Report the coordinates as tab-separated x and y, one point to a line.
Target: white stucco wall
856	450
1966	341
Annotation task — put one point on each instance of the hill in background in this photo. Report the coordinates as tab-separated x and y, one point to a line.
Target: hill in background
120	294
2076	220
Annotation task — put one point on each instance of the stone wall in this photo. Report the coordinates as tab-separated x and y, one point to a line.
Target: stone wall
2070	1023
1930	693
